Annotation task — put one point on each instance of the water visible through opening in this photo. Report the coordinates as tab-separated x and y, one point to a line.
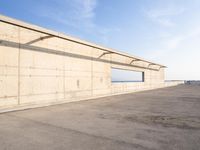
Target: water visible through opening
120	75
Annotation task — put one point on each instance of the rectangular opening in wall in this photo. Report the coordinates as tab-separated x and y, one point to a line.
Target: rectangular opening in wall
121	75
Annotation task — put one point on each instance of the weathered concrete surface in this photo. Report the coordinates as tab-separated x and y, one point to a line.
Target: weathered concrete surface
159	120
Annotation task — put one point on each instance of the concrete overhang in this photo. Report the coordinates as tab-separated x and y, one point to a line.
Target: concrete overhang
50	33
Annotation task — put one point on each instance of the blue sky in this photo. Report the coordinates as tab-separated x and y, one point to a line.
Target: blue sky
164	31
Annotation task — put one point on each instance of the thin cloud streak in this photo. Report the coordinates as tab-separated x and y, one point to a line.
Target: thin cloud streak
76	13
163	16
174	43
80	15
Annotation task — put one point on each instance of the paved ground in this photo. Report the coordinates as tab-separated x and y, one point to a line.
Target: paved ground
164	119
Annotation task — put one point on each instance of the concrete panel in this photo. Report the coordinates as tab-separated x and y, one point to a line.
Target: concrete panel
9	56
8	76
9	32
8	86
8	101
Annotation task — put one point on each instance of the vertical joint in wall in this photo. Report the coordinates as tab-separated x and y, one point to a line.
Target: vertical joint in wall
19	57
92	72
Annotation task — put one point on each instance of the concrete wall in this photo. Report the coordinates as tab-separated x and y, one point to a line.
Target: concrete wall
53	70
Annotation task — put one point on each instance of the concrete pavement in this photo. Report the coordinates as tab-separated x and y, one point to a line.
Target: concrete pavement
164	119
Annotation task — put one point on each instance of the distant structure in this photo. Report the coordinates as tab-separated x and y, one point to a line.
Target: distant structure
40	67
192	82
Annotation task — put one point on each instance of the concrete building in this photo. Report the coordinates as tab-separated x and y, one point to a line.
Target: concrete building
42	67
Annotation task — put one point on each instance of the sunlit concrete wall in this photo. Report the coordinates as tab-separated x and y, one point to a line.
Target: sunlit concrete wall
53	70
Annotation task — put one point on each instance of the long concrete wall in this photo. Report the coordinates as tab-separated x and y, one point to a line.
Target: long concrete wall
36	68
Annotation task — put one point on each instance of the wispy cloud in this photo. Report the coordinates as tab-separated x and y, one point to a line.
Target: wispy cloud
175	42
76	13
163	16
79	15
